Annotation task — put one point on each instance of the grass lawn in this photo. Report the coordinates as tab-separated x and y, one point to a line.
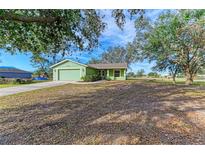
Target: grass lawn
164	81
12	85
114	112
7	85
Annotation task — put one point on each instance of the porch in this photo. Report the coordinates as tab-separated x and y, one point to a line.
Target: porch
113	74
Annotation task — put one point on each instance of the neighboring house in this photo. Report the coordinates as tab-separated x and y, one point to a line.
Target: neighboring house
70	70
12	72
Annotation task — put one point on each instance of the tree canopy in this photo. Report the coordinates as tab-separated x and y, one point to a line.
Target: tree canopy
49	30
55	30
118	54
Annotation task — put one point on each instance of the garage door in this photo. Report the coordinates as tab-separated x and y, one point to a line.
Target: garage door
69	75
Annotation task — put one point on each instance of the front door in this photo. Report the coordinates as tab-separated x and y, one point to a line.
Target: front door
103	74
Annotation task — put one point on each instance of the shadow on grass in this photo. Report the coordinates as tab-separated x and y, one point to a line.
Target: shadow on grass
120	114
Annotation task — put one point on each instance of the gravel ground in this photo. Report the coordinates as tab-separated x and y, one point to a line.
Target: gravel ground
114	112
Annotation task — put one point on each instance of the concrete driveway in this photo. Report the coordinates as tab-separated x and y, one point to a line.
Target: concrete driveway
30	87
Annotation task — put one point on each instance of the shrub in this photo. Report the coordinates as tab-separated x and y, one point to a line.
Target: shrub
90	78
21	81
86	78
108	78
16	81
29	81
2	81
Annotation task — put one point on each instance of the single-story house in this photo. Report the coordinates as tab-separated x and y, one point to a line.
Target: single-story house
12	72
71	70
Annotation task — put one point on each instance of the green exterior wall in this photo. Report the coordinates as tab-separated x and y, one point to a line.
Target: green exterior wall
69	70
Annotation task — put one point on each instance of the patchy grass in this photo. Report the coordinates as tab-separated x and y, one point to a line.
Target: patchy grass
165	81
113	112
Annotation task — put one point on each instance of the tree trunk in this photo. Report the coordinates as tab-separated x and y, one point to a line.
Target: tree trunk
189	81
189	78
174	79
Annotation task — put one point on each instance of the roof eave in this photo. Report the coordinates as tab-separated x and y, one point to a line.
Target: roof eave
58	63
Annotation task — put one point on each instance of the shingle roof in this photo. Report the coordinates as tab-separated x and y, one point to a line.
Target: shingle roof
108	66
12	69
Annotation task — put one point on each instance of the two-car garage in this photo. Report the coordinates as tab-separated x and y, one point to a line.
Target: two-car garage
69	74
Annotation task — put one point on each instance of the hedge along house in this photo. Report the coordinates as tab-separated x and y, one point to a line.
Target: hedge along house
74	71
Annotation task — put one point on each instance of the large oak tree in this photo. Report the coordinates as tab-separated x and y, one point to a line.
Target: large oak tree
176	40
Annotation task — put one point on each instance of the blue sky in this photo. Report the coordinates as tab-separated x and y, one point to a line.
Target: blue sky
110	37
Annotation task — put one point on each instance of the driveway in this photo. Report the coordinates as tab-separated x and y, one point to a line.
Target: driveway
30	87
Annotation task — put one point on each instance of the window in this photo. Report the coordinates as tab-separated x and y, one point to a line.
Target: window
117	73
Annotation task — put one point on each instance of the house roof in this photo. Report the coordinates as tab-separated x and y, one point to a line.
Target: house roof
108	66
96	66
66	60
5	69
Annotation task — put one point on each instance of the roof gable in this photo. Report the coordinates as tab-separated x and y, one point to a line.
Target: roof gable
67	60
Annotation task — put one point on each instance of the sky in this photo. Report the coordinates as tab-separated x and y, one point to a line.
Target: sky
112	36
